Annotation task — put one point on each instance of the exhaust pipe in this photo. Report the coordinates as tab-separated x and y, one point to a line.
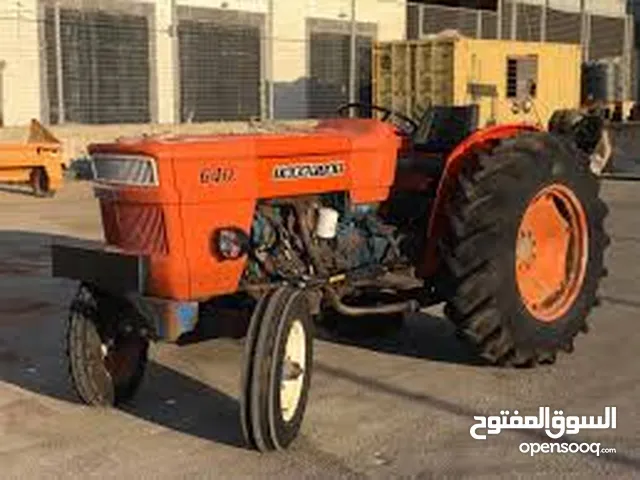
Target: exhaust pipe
410	306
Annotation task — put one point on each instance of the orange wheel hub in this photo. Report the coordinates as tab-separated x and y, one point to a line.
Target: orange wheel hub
551	253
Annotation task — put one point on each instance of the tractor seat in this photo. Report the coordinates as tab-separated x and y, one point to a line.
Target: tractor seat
441	130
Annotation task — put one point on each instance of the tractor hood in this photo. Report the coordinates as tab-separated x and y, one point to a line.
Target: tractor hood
342	153
164	196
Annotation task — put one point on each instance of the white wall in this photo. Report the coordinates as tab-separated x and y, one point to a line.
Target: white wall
290	68
389	15
607	7
19	49
166	74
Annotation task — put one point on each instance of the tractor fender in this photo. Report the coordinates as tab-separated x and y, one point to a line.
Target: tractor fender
453	164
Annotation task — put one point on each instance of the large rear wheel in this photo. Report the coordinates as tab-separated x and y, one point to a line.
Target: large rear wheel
524	252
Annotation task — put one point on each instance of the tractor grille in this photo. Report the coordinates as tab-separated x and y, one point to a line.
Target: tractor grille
136	228
125	169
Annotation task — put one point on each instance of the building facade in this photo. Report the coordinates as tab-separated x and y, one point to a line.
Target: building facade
176	61
168	61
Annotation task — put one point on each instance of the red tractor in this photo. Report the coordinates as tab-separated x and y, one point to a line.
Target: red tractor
355	219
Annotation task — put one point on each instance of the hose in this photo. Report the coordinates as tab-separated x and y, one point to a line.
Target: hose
410	306
308	244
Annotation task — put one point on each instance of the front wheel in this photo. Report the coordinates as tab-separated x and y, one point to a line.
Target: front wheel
107	358
525	248
277	370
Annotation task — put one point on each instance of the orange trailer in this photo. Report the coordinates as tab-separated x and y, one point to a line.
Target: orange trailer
37	163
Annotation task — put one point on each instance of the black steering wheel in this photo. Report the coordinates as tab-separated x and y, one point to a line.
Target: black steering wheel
344	110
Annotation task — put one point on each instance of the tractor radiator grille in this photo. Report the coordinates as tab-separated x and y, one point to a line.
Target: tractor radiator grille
136	228
125	169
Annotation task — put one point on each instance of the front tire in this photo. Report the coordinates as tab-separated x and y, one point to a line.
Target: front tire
277	370
524	251
107	361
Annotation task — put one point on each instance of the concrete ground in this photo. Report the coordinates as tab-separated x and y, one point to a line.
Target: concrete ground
401	406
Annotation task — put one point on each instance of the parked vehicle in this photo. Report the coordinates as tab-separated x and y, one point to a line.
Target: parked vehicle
504	224
37	163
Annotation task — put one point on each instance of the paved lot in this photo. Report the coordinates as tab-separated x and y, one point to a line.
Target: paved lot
395	407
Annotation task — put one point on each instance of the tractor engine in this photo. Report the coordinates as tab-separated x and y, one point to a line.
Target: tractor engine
322	236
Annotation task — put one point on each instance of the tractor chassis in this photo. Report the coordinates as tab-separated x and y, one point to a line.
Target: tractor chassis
123	275
112	305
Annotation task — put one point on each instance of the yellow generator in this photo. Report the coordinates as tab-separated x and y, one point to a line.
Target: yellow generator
511	81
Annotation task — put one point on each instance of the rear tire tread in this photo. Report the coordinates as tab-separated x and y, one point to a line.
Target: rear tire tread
471	255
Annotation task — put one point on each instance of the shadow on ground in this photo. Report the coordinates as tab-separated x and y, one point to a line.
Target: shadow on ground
178	402
33	309
17	189
167	398
424	336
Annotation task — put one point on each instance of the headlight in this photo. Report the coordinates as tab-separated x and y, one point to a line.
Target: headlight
230	243
135	170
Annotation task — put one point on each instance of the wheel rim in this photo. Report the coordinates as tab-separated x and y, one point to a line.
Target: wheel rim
551	253
293	370
121	359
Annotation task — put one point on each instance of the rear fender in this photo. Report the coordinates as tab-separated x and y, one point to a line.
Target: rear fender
429	262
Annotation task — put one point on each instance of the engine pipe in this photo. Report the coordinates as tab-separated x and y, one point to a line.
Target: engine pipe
410	306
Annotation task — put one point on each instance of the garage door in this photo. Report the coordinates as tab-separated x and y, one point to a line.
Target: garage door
219	71
329	72
105	65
